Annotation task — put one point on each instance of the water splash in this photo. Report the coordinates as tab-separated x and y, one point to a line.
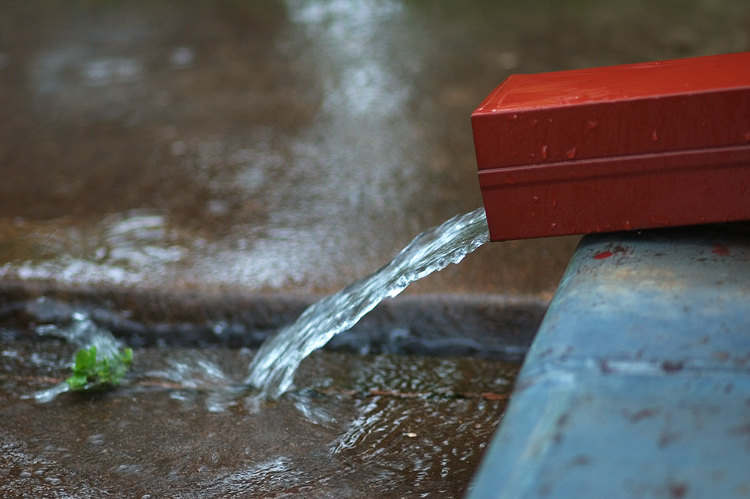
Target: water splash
83	333
273	368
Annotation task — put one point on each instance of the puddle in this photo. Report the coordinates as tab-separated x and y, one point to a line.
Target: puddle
363	420
363	426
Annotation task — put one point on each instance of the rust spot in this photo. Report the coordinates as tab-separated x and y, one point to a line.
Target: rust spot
721	355
559	426
668	437
617	249
741	430
669	366
720	249
545	489
604	367
580	460
678	490
642	414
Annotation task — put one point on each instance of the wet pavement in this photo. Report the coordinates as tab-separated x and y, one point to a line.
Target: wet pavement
365	426
282	147
197	172
401	406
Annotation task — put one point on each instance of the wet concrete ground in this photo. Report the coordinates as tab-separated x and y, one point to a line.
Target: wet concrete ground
401	406
382	426
208	166
282	147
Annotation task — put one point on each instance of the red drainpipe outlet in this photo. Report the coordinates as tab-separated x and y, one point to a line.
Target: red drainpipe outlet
616	148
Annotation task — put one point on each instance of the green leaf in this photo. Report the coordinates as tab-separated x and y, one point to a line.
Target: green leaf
76	382
92	374
85	359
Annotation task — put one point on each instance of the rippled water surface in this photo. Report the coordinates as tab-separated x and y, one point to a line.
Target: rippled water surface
364	426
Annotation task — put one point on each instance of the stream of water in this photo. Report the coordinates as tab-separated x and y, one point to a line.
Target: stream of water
272	370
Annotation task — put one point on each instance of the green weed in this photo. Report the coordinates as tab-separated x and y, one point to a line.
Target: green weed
90	373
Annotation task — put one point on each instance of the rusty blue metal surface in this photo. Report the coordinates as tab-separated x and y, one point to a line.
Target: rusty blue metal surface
638	382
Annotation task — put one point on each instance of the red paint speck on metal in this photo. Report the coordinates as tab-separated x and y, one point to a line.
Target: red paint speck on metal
617	148
603	255
721	249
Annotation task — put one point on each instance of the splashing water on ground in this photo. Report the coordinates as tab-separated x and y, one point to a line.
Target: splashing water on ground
83	333
272	370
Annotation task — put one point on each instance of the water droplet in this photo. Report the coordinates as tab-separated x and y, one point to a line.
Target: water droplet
654	135
747	136
544	150
112	70
592	124
535	198
512	117
97	439
571	153
553	225
553	202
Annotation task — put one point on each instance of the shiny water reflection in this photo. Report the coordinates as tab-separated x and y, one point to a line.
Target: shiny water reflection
367	426
283	146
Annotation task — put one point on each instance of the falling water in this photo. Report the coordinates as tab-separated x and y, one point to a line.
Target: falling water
272	370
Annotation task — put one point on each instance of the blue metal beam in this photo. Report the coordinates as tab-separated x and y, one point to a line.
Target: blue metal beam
638	382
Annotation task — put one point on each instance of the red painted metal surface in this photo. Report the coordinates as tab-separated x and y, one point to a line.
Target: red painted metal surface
616	148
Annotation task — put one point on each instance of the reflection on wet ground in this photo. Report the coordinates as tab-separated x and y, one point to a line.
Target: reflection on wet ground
383	426
288	146
363	417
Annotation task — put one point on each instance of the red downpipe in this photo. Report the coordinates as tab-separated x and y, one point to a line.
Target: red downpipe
616	148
